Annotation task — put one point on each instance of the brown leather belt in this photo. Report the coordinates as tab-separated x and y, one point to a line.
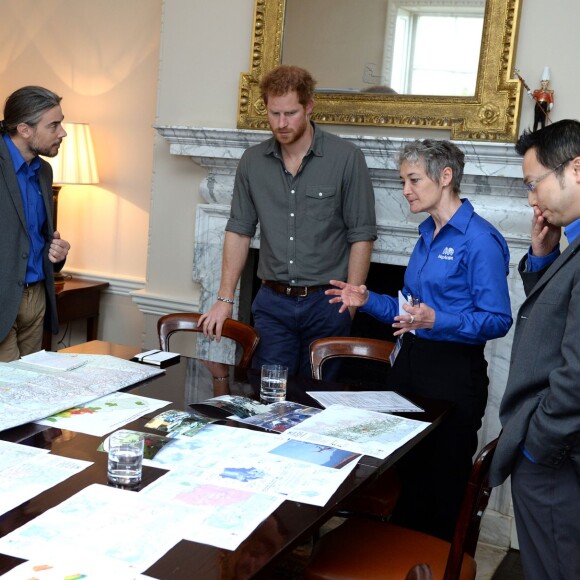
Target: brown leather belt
296	291
31	284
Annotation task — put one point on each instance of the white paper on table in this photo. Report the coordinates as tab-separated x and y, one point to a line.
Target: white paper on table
256	471
357	430
104	524
56	361
402	311
33	474
220	516
29	395
14	453
218	440
105	414
384	401
67	566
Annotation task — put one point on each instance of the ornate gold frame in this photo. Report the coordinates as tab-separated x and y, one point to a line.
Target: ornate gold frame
491	115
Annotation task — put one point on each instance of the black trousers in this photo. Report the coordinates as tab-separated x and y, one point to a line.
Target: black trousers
540	114
435	473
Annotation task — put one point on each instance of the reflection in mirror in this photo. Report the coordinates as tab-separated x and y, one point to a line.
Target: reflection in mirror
352	85
420	47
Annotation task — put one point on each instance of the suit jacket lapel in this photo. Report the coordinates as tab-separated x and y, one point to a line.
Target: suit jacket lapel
564	257
9	175
45	179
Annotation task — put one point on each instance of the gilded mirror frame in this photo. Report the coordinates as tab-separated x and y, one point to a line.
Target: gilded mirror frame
492	114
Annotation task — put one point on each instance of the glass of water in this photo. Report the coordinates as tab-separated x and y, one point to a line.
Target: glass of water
273	384
125	458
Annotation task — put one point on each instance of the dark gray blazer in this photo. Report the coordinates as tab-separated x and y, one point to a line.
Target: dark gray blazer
541	404
15	244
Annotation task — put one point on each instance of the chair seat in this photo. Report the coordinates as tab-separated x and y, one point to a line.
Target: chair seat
383	552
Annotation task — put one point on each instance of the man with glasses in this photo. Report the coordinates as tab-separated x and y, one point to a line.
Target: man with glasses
540	411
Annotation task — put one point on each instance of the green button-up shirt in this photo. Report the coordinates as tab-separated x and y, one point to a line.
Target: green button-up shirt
308	221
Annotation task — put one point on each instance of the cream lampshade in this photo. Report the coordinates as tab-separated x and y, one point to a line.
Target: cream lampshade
75	163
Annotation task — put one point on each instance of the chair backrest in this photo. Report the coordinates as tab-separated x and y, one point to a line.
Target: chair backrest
324	349
474	503
242	333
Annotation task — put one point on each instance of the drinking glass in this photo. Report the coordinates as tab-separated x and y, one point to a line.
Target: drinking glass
125	458
273	384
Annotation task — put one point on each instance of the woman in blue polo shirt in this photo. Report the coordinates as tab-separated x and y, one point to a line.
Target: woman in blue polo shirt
457	293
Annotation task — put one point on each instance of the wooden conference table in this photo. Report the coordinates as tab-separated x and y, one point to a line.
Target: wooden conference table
182	384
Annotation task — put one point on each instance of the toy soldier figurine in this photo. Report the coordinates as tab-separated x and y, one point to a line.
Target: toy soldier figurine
544	98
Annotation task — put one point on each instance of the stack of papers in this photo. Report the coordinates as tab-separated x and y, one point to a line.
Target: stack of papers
56	361
384	401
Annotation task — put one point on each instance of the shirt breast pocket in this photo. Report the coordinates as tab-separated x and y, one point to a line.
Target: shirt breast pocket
320	202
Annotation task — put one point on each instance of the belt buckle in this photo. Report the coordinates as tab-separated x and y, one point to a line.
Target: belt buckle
305	292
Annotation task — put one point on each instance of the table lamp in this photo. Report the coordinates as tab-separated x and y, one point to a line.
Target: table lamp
75	164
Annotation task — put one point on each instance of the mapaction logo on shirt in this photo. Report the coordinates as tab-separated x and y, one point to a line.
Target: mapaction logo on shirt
446	254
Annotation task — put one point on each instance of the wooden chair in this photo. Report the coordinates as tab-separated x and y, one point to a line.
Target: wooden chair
369	549
242	333
378	499
325	349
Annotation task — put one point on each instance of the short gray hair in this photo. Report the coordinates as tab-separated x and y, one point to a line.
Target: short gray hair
435	156
27	105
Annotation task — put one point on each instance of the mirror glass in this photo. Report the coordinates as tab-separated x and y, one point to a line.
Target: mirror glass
375	65
386	46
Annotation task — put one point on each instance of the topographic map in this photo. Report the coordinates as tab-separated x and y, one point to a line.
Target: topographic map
28	394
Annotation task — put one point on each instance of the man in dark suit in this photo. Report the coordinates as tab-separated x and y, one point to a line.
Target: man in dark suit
540	411
30	250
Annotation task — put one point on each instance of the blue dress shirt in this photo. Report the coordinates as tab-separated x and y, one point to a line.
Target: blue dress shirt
462	274
34	210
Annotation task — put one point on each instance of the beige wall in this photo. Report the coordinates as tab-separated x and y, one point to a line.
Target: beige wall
102	58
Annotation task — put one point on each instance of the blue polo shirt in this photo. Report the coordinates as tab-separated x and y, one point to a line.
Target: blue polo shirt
462	275
34	210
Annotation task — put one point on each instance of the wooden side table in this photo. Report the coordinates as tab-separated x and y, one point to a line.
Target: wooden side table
102	347
77	300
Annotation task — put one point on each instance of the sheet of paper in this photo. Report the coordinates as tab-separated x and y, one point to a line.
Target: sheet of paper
175	422
357	430
25	472
253	469
57	361
99	523
220	516
218	440
105	414
27	395
67	567
402	311
280	417
385	401
15	453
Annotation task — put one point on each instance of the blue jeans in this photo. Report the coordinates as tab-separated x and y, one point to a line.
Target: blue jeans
288	324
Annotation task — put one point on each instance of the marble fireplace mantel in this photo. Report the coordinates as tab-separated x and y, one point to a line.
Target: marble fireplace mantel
492	182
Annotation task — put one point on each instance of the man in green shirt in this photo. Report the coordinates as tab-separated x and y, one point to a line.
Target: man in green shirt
311	193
